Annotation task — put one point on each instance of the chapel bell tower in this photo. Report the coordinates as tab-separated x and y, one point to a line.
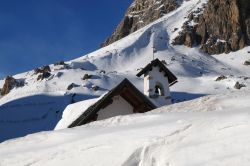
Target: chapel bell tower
157	80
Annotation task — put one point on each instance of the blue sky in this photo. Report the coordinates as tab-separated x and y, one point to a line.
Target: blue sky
38	32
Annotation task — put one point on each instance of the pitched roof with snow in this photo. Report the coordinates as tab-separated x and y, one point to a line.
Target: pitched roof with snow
73	111
172	79
126	90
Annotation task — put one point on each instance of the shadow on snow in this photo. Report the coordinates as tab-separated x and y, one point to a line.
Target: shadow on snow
178	97
34	114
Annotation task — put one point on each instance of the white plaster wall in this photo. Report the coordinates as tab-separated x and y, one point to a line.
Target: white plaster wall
146	85
150	80
119	107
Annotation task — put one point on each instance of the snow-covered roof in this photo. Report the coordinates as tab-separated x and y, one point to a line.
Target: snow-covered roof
73	111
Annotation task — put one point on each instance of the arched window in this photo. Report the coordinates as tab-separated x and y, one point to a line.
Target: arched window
159	90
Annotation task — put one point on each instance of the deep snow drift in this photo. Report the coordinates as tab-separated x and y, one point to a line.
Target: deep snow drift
213	130
39	105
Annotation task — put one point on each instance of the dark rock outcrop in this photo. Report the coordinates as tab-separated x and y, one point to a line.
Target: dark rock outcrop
95	88
10	83
44	72
239	86
72	85
87	76
222	77
42	69
43	75
59	63
247	63
139	14
223	26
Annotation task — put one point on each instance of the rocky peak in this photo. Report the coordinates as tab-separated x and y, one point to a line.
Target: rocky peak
223	26
139	14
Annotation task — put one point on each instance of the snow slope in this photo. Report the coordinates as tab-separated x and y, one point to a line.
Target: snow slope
212	130
39	105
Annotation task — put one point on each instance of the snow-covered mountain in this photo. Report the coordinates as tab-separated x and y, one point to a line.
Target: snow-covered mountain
139	14
219	26
38	102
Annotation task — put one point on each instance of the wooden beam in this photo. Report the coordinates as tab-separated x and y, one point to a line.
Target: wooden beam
132	93
131	98
106	103
142	108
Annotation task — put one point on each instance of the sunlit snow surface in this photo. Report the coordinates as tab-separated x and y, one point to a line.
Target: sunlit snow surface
213	130
39	105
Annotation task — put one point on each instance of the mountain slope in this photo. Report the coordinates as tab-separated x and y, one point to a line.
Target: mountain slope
139	14
213	130
39	104
219	26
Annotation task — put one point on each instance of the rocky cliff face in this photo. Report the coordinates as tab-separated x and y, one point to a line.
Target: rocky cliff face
139	14
222	26
10	83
